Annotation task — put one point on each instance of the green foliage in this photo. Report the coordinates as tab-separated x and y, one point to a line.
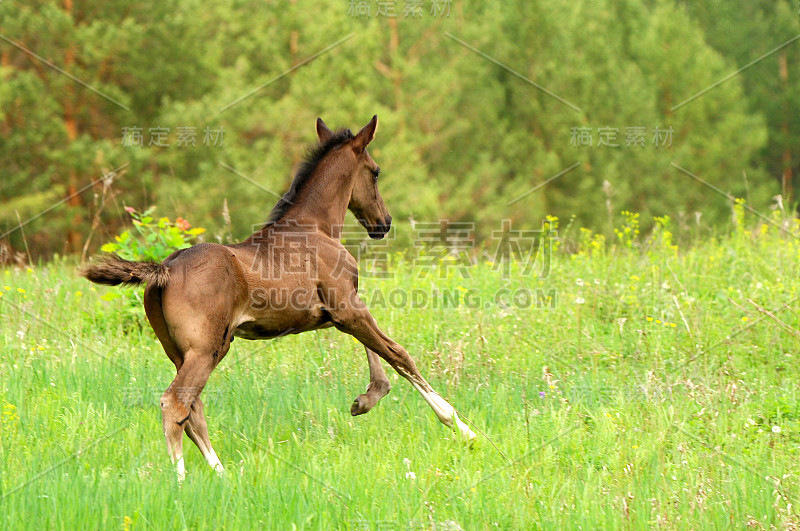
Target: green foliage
461	137
149	239
59	133
744	32
152	240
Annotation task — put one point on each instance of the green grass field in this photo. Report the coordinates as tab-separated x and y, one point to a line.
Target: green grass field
650	389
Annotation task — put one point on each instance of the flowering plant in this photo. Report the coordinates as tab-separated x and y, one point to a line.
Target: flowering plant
152	240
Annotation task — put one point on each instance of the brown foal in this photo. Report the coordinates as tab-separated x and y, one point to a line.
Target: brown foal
291	276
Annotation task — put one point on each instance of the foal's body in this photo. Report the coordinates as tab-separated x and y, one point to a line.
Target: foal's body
291	276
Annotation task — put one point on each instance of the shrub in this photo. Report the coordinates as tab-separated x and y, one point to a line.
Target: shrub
152	240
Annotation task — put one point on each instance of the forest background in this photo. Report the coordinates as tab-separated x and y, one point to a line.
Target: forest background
489	111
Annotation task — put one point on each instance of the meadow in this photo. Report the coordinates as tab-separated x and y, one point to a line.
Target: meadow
629	383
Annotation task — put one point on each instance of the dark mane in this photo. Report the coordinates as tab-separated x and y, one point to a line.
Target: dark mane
312	159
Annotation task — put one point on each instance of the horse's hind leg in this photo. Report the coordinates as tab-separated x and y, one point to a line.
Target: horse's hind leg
195	427
378	387
197	430
155	314
178	406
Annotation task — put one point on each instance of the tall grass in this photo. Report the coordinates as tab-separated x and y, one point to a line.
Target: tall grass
641	385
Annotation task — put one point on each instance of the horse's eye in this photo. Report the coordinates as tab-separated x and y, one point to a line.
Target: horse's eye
375	173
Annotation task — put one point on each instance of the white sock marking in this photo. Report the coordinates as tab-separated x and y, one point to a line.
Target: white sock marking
214	461
446	413
180	468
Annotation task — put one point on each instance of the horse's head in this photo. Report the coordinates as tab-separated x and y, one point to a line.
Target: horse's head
366	202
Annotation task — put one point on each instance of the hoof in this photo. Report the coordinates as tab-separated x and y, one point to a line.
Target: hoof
360	406
467	435
180	470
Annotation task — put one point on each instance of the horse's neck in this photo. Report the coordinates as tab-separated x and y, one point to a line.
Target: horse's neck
322	203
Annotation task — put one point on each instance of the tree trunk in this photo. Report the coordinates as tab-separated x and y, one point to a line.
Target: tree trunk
71	127
786	177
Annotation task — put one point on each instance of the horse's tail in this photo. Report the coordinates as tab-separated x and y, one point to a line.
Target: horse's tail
114	270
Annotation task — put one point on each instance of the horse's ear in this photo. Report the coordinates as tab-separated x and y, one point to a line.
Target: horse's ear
323	132
365	136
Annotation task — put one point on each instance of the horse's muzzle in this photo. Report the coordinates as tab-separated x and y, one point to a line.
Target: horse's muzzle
379	230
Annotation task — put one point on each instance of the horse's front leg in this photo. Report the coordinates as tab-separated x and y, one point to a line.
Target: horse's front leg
378	387
351	316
